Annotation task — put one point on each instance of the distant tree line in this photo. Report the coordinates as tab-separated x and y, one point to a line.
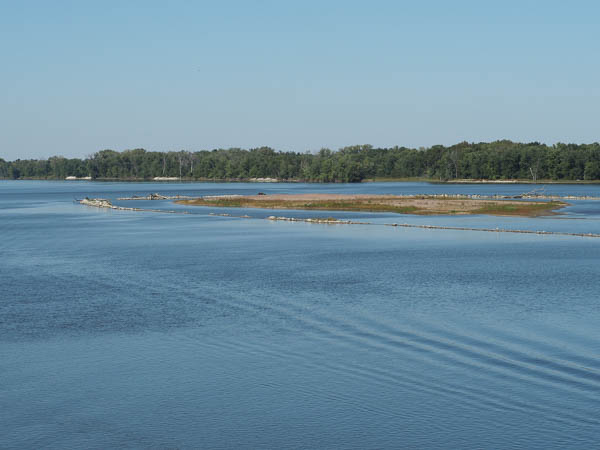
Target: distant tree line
493	161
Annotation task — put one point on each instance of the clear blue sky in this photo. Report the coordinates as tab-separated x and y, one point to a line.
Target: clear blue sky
77	77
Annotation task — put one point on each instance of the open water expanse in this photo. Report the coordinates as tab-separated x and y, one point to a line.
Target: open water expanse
151	330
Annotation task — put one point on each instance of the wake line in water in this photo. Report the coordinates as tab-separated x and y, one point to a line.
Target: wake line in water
372	338
585	362
540	368
414	383
426	344
327	333
536	376
559	366
348	335
476	358
245	348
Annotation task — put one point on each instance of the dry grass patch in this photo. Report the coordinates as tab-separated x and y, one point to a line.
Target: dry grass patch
423	205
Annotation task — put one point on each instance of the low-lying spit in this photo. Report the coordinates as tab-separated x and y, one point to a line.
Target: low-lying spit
406	204
106	204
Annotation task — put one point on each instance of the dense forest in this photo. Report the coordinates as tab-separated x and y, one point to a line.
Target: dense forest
493	161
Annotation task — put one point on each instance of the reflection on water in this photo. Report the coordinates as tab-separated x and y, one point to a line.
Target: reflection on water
149	330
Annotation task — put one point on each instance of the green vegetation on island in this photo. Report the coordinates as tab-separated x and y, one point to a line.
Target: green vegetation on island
500	160
421	204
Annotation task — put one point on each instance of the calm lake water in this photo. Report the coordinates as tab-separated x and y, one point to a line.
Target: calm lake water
137	330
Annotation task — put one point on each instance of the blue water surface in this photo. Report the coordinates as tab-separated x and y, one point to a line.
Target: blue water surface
150	330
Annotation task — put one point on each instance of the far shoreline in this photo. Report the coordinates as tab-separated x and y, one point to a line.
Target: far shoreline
294	181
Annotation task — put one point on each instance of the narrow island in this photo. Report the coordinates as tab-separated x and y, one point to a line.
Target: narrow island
420	204
417	204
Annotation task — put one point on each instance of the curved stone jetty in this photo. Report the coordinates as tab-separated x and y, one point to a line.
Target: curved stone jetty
107	204
329	221
97	202
491	230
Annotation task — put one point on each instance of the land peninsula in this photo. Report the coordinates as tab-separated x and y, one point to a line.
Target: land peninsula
417	204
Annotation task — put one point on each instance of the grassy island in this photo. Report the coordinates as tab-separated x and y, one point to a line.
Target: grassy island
422	204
